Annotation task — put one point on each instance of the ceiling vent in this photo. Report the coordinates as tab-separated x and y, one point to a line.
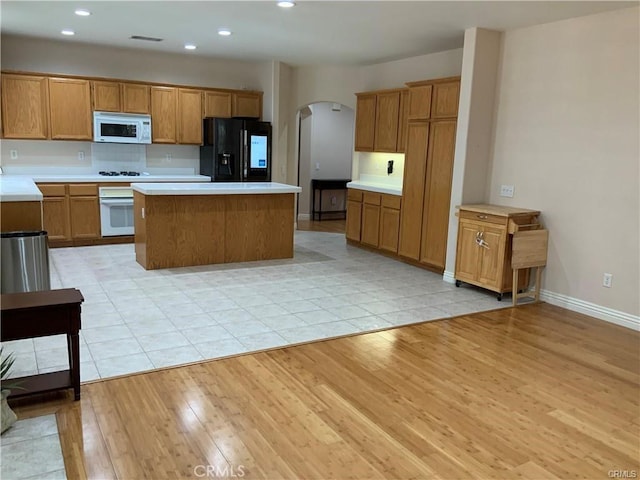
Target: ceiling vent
146	39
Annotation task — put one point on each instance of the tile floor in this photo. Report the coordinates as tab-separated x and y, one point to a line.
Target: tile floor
135	320
30	449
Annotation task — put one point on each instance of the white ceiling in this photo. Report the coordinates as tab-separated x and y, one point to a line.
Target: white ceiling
313	32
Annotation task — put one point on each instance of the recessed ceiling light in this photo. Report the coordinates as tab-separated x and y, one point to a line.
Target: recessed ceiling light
82	12
286	4
225	32
68	32
190	46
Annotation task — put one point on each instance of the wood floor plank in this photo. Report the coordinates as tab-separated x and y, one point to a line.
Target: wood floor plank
529	392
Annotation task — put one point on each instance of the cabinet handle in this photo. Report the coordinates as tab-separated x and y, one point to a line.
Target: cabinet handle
482	216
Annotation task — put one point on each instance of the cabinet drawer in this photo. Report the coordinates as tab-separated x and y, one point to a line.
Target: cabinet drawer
391	201
483	217
83	190
55	190
371	198
355	195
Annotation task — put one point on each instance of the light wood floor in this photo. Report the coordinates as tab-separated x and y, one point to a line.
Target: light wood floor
333	226
534	392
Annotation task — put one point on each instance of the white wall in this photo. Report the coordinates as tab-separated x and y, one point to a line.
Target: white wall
474	128
567	136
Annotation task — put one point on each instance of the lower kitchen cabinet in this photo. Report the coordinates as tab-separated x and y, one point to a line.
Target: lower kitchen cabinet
373	219
354	215
483	254
55	212
84	211
370	219
70	212
389	223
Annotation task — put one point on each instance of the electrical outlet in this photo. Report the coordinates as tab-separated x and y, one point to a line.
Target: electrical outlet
81	155
506	191
14	154
167	157
607	279
334	200
317	165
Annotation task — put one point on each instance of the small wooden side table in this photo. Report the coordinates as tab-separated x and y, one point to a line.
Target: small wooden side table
41	314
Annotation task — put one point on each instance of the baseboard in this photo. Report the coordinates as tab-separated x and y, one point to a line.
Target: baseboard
448	277
304	216
603	313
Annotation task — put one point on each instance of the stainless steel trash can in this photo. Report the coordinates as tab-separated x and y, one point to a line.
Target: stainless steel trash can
24	258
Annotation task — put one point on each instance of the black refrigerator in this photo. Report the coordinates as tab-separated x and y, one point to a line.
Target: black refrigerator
236	150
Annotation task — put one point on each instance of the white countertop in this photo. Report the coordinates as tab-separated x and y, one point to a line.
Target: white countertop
119	179
376	187
23	188
223	188
18	188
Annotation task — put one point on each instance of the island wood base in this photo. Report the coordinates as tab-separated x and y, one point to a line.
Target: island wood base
18	216
187	230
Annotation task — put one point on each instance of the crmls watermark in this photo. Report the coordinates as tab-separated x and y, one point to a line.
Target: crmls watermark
217	471
622	473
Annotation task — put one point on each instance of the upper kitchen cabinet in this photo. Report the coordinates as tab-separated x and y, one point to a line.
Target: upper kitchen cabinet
106	96
120	97
135	98
403	117
420	100
70	109
380	121
217	104
365	121
247	104
189	116
163	114
25	106
387	117
445	99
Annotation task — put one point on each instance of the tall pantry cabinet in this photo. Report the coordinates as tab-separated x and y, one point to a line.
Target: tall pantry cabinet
428	170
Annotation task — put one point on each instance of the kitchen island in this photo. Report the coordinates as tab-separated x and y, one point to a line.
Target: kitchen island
179	225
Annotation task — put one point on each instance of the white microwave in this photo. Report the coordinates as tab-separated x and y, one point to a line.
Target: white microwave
111	127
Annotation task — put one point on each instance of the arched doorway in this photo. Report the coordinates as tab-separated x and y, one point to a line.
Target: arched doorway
325	151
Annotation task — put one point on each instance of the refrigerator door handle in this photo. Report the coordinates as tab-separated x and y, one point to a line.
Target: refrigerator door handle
245	154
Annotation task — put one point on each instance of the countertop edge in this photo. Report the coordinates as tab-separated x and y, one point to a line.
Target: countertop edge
367	187
214	189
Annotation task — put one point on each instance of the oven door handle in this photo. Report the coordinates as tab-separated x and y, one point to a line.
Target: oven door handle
116	201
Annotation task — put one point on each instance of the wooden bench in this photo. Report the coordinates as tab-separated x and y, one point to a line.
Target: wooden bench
41	314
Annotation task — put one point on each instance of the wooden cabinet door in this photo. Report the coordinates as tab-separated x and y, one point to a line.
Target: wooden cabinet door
445	99
106	96
370	224
467	252
163	114
403	118
217	104
25	107
492	256
135	98
70	109
189	116
413	190
365	122
420	102
354	220
55	218
85	217
247	104
437	195
386	126
389	229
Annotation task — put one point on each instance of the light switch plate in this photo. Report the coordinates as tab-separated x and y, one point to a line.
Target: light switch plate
506	191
